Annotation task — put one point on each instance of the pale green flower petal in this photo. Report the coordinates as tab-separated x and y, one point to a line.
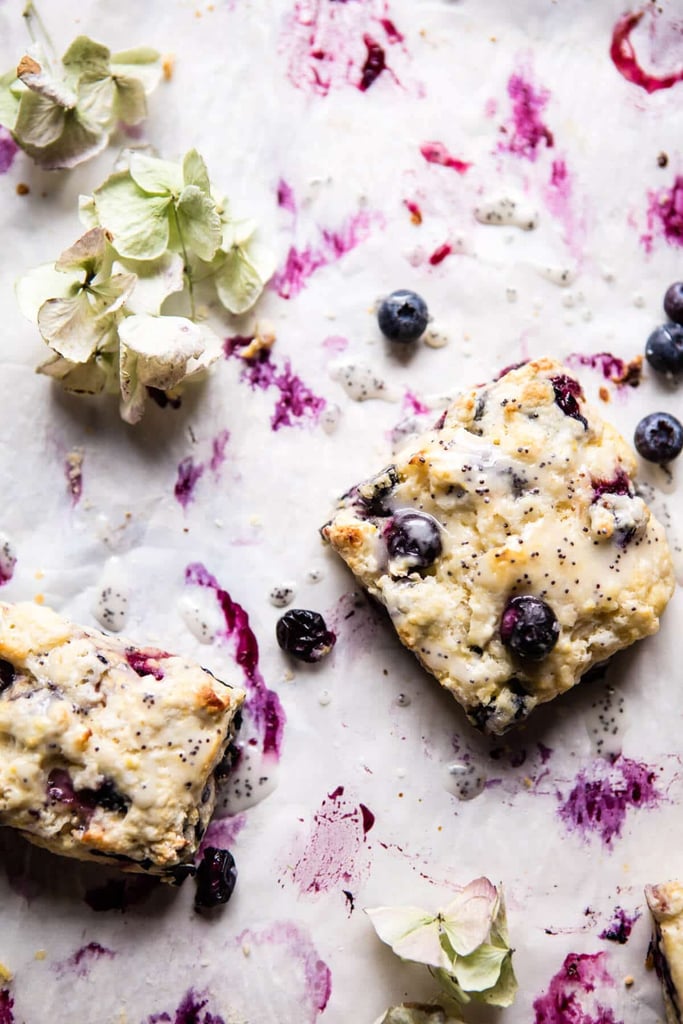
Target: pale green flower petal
238	282
416	1013
195	172
40	121
130	102
87	254
86	57
142	63
87	212
9	101
43	283
504	991
33	70
212	352
198	222
110	294
162	345
237	232
411	933
155	280
96	100
137	222
481	969
82	379
77	143
70	329
157	177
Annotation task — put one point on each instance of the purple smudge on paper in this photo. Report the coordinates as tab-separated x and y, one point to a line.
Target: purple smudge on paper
436	153
296	404
218	446
335	344
604	794
624	56
334	853
285	196
620	927
8	561
571	996
222	832
413	404
545	752
73	471
303	959
80	962
6	1006
375	63
332	245
8	150
263	705
189	475
665	215
558	195
188	1011
612	368
527	131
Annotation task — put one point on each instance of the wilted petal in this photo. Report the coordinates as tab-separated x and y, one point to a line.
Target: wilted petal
466	921
43	283
411	933
70	327
137	221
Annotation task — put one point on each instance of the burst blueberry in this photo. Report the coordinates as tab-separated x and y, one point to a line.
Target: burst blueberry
415	537
529	627
304	635
664	349
659	437
403	316
673	302
216	877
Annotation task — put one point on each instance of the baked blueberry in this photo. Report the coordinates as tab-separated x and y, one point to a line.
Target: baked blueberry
673	302
529	627
415	537
664	348
403	316
215	878
304	635
659	437
567	390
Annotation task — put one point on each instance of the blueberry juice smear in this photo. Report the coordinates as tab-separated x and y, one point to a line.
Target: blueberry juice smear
215	879
567	390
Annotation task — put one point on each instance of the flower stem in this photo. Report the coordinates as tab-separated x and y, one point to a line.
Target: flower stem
186	265
35	26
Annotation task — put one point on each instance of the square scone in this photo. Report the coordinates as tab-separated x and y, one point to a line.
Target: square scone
108	752
665	902
508	544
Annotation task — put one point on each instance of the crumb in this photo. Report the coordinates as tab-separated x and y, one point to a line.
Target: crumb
23	189
528	782
39	598
662	160
246	949
264	338
629	980
38	574
604	394
40	954
5	973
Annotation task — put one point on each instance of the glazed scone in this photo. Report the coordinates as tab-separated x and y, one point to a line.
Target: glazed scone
666	906
520	490
107	751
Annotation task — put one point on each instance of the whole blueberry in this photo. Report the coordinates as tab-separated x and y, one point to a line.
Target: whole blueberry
403	316
304	635
673	302
529	627
215	878
659	437
664	348
414	536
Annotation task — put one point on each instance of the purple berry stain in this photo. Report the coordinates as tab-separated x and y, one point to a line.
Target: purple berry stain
302	960
263	705
296	404
6	1007
605	793
620	927
571	997
80	962
567	391
189	475
188	1011
665	215
285	196
121	893
375	63
527	131
145	662
613	369
335	854
619	484
436	153
73	471
624	58
8	560
8	150
332	245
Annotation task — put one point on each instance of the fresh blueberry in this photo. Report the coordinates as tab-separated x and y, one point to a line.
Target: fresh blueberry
567	390
664	348
216	877
403	316
529	627
304	635
659	437
673	302
414	536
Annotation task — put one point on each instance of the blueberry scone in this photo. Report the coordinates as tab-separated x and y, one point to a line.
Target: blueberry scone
509	545
666	906
108	752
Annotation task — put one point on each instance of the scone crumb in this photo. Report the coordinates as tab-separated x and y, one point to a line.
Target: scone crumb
604	394
168	66
39	599
246	949
5	973
23	189
528	782
629	980
40	954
